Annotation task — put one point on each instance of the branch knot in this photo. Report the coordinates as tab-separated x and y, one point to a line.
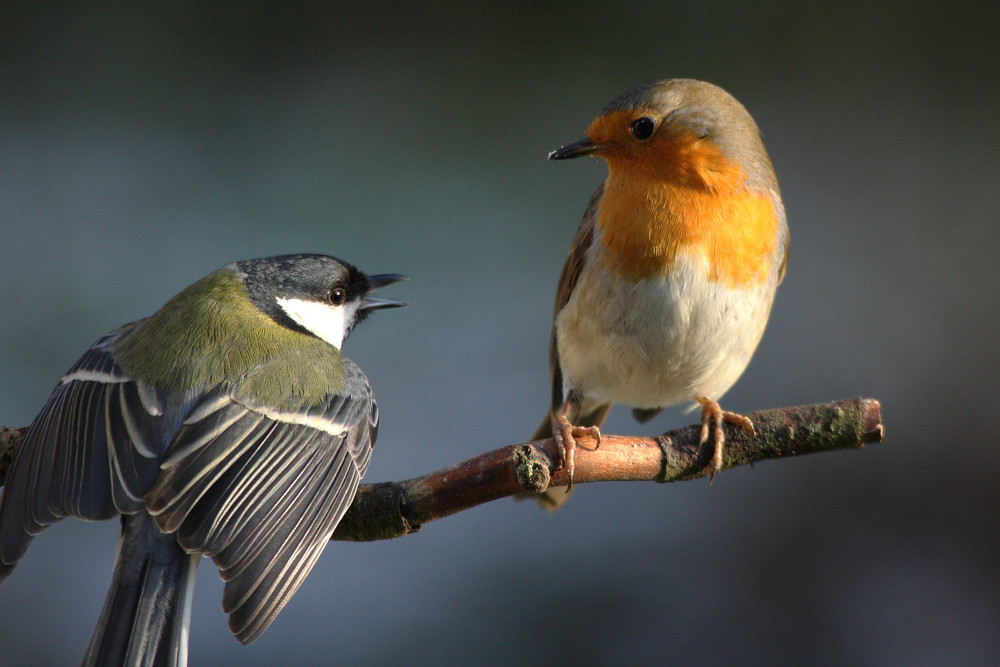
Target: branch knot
532	471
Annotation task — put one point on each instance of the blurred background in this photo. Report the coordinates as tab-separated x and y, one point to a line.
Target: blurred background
143	145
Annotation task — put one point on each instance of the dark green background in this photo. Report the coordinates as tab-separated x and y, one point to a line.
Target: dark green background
143	145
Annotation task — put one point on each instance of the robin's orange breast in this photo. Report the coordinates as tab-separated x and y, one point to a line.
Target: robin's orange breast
686	197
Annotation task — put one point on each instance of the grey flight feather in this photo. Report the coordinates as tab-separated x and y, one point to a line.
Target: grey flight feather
79	456
262	495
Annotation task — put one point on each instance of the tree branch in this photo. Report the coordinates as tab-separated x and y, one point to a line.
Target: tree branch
392	509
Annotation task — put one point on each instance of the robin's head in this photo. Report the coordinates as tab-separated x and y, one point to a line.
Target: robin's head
681	130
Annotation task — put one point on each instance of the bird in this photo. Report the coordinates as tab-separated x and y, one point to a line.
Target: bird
228	424
670	279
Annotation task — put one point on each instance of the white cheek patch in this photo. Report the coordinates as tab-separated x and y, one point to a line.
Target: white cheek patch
322	320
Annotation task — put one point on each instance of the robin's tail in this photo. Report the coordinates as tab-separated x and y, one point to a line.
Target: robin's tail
148	609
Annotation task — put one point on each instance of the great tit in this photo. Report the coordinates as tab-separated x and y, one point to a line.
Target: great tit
227	425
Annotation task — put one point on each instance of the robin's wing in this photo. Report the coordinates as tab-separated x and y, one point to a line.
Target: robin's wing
779	209
567	282
261	488
89	453
553	498
784	260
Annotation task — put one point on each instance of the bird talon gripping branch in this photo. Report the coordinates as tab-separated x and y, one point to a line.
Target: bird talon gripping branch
565	435
712	413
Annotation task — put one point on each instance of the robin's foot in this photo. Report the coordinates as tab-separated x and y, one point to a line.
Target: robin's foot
712	412
566	435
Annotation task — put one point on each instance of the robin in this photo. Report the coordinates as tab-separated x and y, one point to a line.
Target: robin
671	276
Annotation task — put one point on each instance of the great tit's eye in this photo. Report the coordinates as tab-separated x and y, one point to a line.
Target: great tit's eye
642	128
338	296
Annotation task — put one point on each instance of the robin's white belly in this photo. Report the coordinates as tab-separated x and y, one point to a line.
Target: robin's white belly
660	341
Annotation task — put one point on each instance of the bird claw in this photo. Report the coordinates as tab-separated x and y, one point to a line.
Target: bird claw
712	413
565	435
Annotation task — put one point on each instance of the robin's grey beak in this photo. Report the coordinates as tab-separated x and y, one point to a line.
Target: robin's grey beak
577	149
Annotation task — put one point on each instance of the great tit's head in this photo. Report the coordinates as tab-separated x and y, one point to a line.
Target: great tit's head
314	294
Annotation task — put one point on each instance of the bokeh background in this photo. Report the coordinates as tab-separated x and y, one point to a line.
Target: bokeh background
143	145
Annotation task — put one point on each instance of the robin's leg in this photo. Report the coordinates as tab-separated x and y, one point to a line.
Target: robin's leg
566	434
712	412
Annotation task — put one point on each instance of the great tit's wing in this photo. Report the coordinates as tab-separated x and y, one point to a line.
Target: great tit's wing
260	486
91	452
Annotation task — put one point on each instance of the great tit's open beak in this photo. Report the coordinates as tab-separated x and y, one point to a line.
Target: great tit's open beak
577	149
376	282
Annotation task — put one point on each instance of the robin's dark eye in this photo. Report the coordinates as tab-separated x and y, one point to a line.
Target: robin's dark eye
642	128
338	295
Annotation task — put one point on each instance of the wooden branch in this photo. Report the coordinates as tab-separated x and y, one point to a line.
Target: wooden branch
392	509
